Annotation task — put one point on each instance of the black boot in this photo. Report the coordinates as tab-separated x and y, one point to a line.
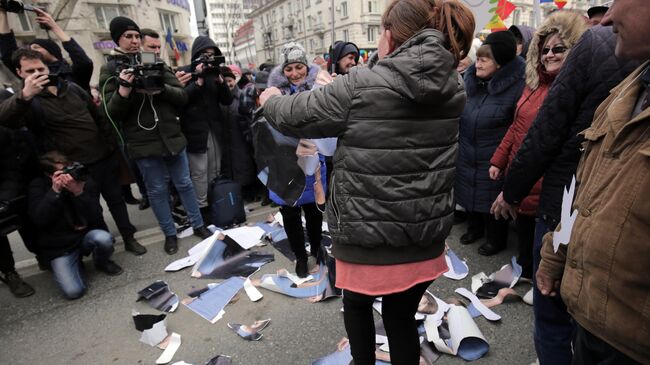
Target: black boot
171	244
202	232
133	246
128	195
205	214
17	286
144	204
301	267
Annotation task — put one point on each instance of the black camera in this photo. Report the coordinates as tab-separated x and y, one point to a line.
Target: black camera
15	6
149	71
53	80
78	171
211	64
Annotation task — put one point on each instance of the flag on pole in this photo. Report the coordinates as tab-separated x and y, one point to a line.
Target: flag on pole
172	44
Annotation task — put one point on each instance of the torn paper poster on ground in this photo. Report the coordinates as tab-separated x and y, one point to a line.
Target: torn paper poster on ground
506	277
457	268
170	345
458	335
252	332
210	303
478	305
246	237
195	253
159	296
219	360
341	356
316	290
153	327
225	258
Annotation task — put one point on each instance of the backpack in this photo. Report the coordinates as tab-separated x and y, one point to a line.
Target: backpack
226	203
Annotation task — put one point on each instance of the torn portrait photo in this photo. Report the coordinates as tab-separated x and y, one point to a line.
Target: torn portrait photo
159	296
252	332
225	258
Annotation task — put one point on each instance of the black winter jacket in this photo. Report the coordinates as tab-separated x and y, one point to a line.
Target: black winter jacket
397	122
487	116
57	215
551	148
202	114
237	151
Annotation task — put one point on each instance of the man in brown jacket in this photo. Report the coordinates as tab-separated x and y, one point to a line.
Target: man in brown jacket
604	270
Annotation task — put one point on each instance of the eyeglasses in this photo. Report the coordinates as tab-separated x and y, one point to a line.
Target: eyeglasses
555	50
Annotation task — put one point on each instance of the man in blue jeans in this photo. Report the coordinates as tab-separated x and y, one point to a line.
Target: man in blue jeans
149	119
61	205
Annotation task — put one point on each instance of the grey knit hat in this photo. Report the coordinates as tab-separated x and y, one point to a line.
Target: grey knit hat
294	53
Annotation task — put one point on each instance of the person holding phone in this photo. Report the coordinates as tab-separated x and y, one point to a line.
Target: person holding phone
81	69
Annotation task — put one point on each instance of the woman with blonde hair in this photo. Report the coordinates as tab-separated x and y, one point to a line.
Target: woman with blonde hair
391	204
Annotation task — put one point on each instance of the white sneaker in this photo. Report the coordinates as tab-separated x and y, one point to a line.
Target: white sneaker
528	298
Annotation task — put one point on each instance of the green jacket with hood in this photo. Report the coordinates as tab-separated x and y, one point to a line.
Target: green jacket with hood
150	124
397	121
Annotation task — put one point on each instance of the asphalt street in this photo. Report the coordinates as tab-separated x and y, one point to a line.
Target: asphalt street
98	328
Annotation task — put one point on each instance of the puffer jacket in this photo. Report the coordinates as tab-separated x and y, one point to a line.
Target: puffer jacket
569	27
150	124
604	268
397	121
237	160
488	114
552	146
203	113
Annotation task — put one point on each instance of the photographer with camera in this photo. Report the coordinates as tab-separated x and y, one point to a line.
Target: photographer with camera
144	98
70	223
81	69
203	123
63	117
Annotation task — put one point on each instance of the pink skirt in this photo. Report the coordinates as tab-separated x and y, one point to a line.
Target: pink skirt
378	280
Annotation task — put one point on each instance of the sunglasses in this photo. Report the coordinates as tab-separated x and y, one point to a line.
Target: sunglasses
555	50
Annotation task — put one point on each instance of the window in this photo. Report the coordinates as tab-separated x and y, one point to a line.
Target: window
373	7
373	30
25	23
289	8
344	9
167	20
346	35
312	45
106	13
307	3
309	23
515	16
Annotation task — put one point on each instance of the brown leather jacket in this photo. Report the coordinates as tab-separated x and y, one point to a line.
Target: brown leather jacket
606	265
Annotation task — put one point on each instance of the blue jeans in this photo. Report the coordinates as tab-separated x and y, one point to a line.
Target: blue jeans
554	328
157	172
66	268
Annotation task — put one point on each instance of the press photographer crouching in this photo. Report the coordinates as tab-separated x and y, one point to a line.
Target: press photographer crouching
145	107
69	222
202	121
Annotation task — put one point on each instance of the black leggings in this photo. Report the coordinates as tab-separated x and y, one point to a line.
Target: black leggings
398	314
291	217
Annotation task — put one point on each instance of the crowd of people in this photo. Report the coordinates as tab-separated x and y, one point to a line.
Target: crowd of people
438	128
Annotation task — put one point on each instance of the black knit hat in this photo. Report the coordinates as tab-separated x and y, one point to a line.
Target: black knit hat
120	25
227	72
49	46
503	45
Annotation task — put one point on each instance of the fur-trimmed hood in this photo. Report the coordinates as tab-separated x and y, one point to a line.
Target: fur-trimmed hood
277	79
568	25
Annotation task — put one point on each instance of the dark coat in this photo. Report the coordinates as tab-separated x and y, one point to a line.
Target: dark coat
488	113
17	163
203	114
237	153
139	113
397	122
79	72
68	122
552	146
56	215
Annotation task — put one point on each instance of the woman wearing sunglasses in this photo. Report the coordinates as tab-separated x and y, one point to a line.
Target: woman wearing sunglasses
548	50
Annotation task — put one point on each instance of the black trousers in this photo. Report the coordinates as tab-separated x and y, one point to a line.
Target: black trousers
525	235
291	217
398	313
105	174
7	263
496	230
591	350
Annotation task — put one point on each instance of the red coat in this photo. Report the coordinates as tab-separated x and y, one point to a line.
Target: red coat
527	108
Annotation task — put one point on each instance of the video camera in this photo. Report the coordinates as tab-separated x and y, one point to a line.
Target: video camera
78	171
15	6
149	71
211	64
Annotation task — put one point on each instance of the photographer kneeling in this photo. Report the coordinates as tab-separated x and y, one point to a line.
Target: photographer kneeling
143	96
68	216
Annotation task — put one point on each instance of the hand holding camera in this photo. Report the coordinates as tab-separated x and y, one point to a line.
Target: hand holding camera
71	178
34	84
126	82
183	77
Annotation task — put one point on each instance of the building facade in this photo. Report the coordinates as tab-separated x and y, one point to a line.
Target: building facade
244	46
223	18
87	22
309	22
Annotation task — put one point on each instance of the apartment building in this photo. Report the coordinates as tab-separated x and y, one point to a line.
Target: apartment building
87	22
309	22
223	18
